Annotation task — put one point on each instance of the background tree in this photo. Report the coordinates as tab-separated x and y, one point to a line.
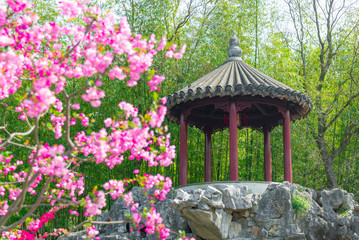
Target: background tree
325	35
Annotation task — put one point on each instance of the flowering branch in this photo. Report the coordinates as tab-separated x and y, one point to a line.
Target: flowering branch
36	54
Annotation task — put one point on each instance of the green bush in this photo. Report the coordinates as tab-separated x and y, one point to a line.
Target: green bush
300	204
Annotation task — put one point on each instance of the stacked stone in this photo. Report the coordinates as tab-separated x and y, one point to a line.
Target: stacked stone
232	212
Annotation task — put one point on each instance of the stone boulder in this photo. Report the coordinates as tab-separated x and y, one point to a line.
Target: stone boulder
283	211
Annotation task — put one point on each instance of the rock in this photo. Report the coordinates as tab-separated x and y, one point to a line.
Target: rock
264	233
212	197
230	212
182	200
244	214
208	224
274	231
234	230
332	199
235	198
255	231
318	229
274	204
355	224
81	235
356	210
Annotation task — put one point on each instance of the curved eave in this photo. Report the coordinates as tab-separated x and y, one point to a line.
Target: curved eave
236	78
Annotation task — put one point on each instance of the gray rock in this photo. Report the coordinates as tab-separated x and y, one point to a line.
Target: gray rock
275	203
356	210
208	224
355	224
212	197
231	213
182	200
77	235
332	199
235	198
234	230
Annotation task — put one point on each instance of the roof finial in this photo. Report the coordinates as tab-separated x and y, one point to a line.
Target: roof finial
234	52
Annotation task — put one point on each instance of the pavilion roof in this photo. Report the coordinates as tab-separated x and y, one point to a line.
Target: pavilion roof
236	78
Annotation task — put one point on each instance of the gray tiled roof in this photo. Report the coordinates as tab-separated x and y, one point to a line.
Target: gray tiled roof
236	78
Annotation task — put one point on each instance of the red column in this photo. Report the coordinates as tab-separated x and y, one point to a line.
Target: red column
207	161
183	151
233	143
286	147
267	155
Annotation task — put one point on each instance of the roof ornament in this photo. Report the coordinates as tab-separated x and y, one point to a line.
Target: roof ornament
234	52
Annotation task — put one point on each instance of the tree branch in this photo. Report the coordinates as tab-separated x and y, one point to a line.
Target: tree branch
349	133
341	111
32	209
13	135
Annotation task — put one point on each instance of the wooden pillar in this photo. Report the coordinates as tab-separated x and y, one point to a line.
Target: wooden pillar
207	161
267	154
286	147
183	151
233	143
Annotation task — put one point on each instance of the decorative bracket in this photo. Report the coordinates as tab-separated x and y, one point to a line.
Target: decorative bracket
223	106
282	110
239	106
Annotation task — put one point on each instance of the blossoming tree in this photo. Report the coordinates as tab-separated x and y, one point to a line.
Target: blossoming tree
37	62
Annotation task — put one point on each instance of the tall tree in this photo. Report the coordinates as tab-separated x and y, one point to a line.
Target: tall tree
324	31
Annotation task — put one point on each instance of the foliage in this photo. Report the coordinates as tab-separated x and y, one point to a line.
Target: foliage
300	204
342	211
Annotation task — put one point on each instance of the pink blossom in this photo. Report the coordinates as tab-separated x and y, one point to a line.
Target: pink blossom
13	193
108	122
39	102
3	208
155	81
93	95
2	191
59	122
72	212
158	118
91	231
58	105
136	218
153	223
71	8
180	53
6	41
128	198
75	106
116	188
116	72
84	119
163	100
73	122
94	206
129	109
34	226
17	5
163	44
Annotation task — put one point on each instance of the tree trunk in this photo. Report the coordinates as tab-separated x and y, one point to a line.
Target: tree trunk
328	163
